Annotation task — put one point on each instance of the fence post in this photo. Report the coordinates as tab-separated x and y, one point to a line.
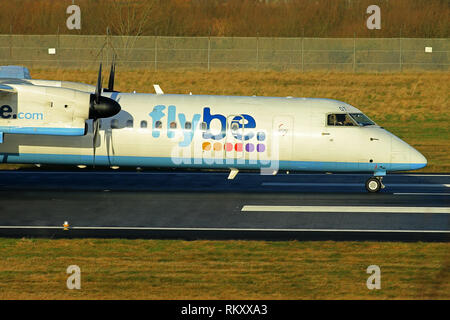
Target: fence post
257	51
303	70
10	42
303	37
209	53
354	52
107	45
57	47
156	52
401	58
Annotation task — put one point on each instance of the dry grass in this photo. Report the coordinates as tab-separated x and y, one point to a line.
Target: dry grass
414	106
142	269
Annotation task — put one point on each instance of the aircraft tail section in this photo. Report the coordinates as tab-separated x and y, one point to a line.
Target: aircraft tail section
14	72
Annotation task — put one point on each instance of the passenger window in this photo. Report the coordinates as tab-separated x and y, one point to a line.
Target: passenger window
158	124
203	126
114	124
173	125
143	124
261	136
339	119
187	125
129	123
234	127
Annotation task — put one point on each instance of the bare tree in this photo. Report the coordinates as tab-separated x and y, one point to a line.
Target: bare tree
127	19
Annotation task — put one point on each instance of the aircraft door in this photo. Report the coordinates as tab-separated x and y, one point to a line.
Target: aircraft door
282	138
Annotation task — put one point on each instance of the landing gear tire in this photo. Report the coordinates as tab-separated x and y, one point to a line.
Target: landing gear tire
373	185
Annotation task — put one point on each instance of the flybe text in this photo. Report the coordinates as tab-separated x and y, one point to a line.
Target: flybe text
6	112
239	123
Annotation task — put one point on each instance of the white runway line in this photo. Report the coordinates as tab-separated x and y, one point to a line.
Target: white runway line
426	175
410	185
435	185
356	209
420	194
304	184
30	227
227	229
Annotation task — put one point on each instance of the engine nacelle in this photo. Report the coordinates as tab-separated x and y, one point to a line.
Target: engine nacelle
44	110
31	109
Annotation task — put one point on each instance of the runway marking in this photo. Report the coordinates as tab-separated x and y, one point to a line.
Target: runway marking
356	209
227	229
425	175
413	185
421	194
445	185
279	184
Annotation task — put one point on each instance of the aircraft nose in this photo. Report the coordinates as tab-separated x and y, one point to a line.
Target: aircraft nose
405	157
417	160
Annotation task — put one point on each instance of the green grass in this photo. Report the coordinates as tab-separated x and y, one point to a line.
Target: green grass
431	137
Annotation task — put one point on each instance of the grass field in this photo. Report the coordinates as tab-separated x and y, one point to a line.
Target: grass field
414	106
156	269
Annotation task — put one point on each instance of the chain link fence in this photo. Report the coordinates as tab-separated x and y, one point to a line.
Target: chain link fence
227	53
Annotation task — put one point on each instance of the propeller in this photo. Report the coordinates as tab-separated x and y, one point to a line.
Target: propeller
112	74
100	106
96	127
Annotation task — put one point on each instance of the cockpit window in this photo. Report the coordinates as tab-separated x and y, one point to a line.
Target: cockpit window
362	119
340	119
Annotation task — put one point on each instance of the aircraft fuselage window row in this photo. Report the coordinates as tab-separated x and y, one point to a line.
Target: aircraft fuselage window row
334	119
158	125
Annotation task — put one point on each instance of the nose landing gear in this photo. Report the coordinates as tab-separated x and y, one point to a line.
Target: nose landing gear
374	184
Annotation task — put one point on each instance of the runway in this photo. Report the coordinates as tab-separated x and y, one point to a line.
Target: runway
205	205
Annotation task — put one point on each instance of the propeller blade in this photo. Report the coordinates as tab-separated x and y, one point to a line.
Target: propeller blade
96	126
112	75
103	107
98	88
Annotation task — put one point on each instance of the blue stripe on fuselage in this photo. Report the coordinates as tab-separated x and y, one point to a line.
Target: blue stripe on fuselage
43	131
199	163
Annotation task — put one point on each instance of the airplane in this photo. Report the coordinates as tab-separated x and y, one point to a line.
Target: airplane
59	122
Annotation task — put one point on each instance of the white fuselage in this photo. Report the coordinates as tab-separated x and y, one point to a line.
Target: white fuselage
196	131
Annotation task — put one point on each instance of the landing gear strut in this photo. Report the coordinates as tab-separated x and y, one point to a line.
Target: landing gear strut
374	184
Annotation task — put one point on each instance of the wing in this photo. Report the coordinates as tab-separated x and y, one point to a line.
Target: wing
6	88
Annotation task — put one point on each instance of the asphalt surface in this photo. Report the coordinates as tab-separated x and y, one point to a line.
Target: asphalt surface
206	205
